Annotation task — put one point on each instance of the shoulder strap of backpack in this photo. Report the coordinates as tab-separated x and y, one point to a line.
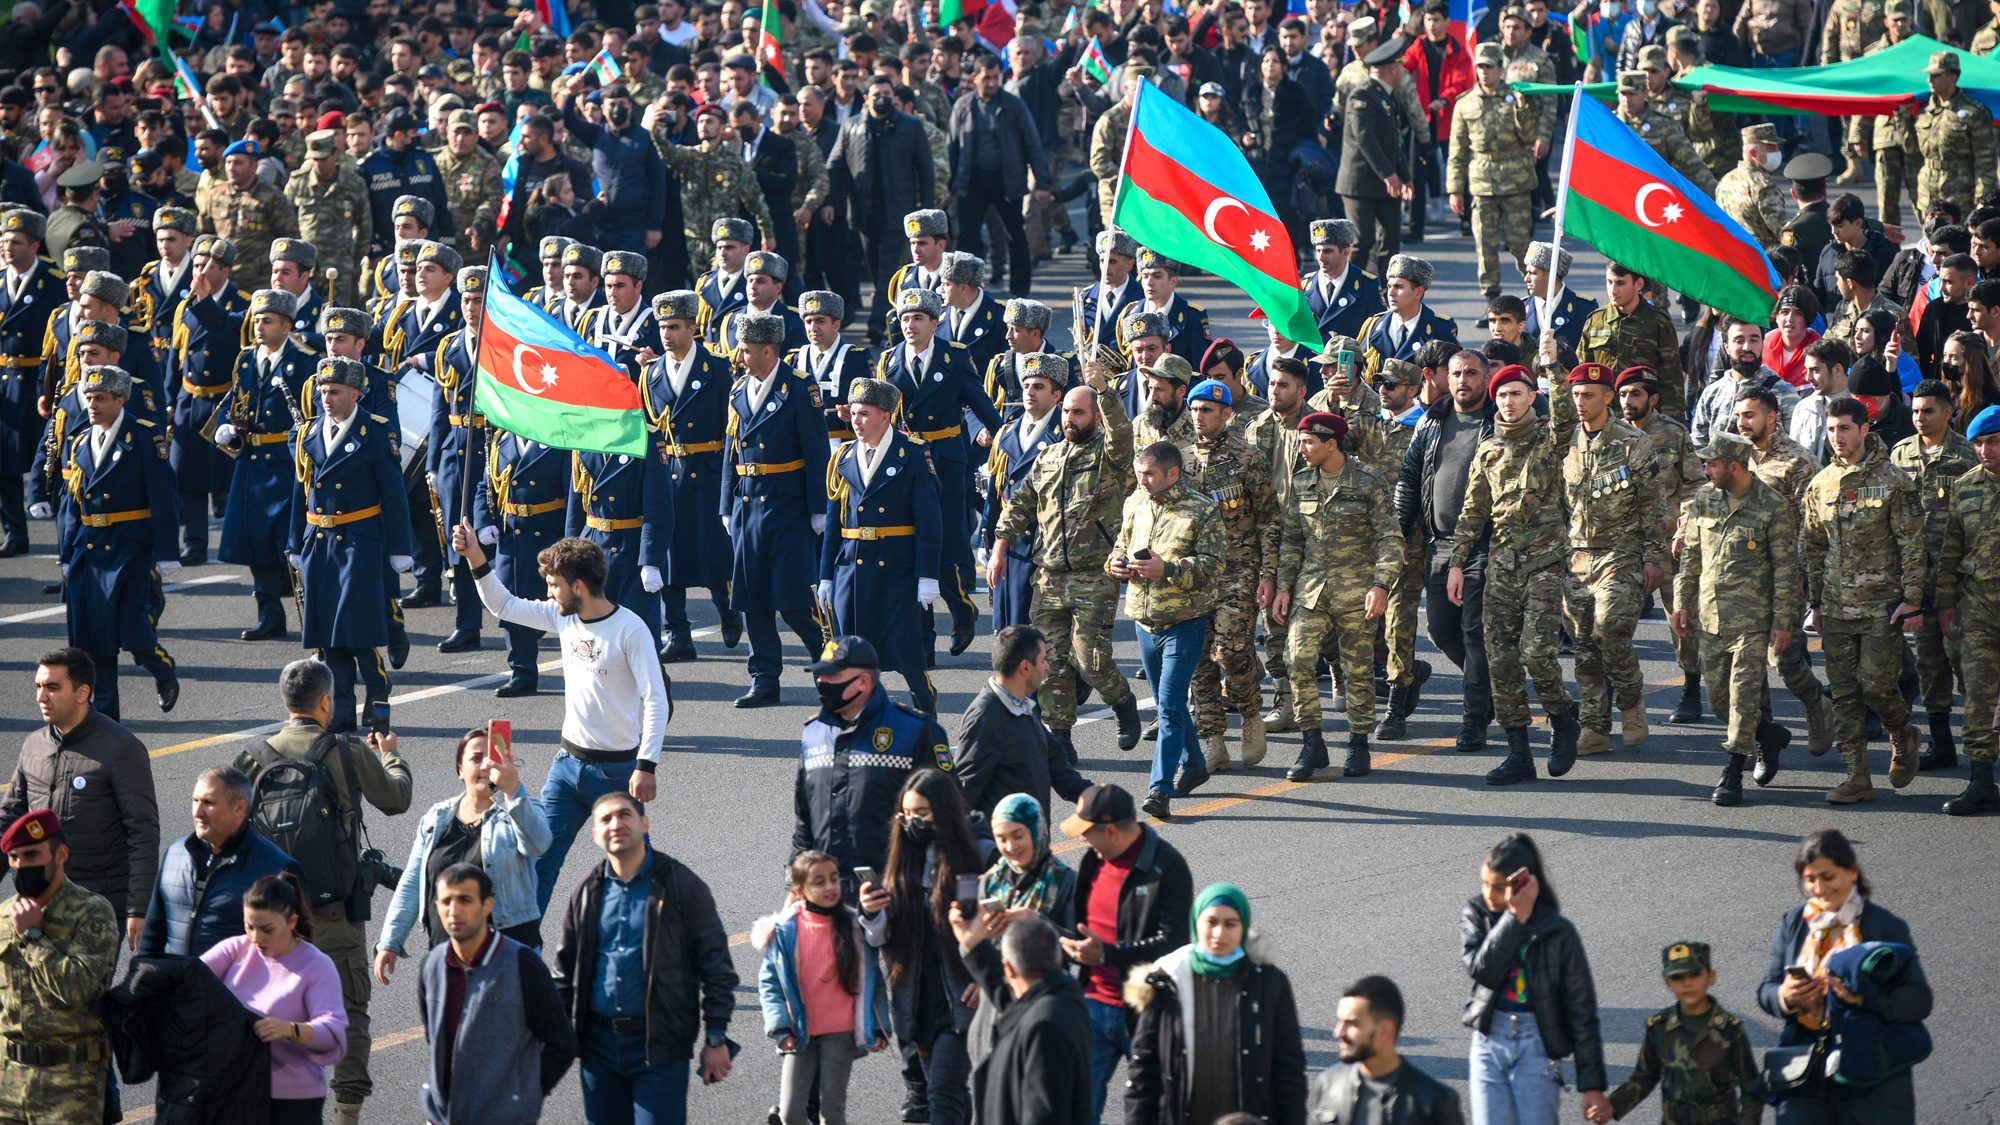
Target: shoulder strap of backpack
332	742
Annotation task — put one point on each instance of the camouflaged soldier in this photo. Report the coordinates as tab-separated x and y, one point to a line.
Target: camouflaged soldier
1713	134
1851	28
1661	131
1955	141
471	176
1737	588
1678	475
1071	502
1342	392
1695	1052
1396	640
56	954
1107	139
248	212
1234	474
1618	552
1750	192
1891	136
716	183
1341	552
1865	569
1934	457
1491	167
1275	433
1788	467
1968	604
1630	331
1526	62
1164	417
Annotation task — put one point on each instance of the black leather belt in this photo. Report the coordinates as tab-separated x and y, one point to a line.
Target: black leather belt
624	1025
54	1054
586	755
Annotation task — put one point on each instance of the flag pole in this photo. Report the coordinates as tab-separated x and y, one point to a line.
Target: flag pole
1554	283
1111	226
472	400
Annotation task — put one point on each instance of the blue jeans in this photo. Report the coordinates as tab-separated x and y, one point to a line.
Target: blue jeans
619	1088
1109	1042
1169	657
572	786
1513	1081
948	1079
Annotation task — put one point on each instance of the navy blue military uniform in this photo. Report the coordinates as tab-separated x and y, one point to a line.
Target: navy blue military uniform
724	333
833	372
1187	330
207	336
1358	298
24	322
408	342
622	338
573	314
774	481
257	525
1008	466
305	321
456	451
1003	380
157	303
390	175
981	328
694	423
882	535
122	526
1378	342
716	300
67	418
1570	311
625	505
526	499
849	777
1102	318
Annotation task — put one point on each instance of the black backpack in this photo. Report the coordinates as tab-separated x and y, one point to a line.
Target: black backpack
296	806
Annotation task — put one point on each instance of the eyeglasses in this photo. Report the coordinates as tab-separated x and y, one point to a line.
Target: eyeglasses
48	89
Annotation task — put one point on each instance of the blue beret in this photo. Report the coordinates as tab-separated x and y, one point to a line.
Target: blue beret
244	148
1210	390
1985	422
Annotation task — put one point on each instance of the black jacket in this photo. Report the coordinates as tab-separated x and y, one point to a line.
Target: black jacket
1020	145
1270	1061
1413	500
1150	923
1565	1000
189	915
1001	753
844	801
1415	1097
880	172
100	784
1039	1070
690	982
175	1020
1291	122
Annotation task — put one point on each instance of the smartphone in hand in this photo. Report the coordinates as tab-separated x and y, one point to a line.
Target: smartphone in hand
499	741
1518	881
378	716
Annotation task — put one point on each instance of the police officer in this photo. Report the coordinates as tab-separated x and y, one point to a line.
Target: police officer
625	505
269	397
210	327
162	283
454	456
774	487
1968	601
1033	426
830	362
970	317
399	167
623	324
350	511
32	295
522	509
334	214
244	209
685	389
880	560
722	288
1341	293
119	540
764	276
1187	322
126	213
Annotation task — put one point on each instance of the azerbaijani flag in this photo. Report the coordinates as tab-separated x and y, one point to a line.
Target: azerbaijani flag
1622	198
771	40
538	379
1186	191
1095	64
607	68
157	17
554	16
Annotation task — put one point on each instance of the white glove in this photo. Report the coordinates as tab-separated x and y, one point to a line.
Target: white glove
489	535
927	591
401	564
725	526
224	434
41	511
983	556
298	561
650	579
167	569
819	523
825	591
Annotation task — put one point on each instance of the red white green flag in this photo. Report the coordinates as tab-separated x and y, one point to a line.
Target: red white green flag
771	40
539	379
1095	64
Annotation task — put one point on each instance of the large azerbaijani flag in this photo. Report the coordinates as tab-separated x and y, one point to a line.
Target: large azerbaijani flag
1186	191
540	380
1620	197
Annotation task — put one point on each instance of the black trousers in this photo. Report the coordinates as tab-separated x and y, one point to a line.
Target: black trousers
883	249
984	192
674	610
13	511
767	651
1459	631
350	665
1381	224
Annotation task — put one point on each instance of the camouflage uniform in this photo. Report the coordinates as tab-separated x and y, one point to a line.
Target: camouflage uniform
471	189
1533	64
1276	436
1665	136
1341	537
1678	475
1738	576
1934	471
715	184
1513	487
1070	502
1107	153
1864	552
1398	634
50	991
1852	28
252	220
1751	196
1894	140
1183	528
1237	477
1362	408
1492	166
1180	431
1969	581
813	188
1644	337
1787	466
1957	149
1704	1076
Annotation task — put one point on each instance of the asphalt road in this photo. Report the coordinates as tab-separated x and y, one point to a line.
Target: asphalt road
1346	877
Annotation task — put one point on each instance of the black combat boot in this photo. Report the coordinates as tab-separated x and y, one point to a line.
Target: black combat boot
1312	757
1980	795
1943	754
1771	740
1688	710
1564	730
1128	722
1357	764
1393	727
1471	735
1520	763
1729	791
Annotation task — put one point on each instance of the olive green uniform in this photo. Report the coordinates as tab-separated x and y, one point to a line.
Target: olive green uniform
1934	470
51	988
251	219
1340	538
1644	337
1969	581
1703	1066
1738	573
1237	477
1615	531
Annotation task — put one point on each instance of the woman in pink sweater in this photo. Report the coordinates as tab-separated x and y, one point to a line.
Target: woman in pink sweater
293	988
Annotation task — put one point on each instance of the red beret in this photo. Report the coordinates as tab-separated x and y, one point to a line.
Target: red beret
30	830
1324	424
1640	374
333	120
1592	375
1512	373
712	109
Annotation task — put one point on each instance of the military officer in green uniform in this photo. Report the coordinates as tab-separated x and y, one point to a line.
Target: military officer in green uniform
1934	457
1955	141
1491	167
1660	130
1750	192
1893	135
1678	475
1630	331
716	183
1968	601
75	222
1397	423
244	209
1695	1052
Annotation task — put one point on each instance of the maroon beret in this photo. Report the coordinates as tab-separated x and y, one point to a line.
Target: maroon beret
1324	424
30	830
1512	373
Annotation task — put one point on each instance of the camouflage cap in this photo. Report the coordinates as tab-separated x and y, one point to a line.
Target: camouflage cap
1762	134
1340	233
731	230
440	255
1631	81
928	223
347	321
1898	12
1139	322
553	246
1489	54
1329	354
1514	12
101	333
878	393
472	281
677	304
295	250
20	220
1154	260
1411	268
962	269
175	218
105	378
1943	62
1537	258
589	257
631	263
1723	446
321	144
1025	313
335	371
416	207
215	247
1367	29
1400	373
912	299
274	301
1108	242
822	302
1653	56
1325	425
1171	367
754	327
1683	36
1047	366
107	287
461	119
764	263
1685	956
84	259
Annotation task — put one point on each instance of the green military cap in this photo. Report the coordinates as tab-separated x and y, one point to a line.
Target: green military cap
1942	62
553	246
1681	35
1172	367
295	250
1024	313
928	223
1686	956
1340	233
962	269
1389	52
105	378
461	119
460	70
731	230
1489	54
1116	242
822	302
878	393
84	259
631	263
679	304
911	299
1400	373
1514	12
286	106
1652	56
217	248
1727	447
175	218
1762	134
1808	168
1140	322
84	173
1898	12
352	322
98	332
274	301
20	220
1047	366
416	207
106	286
1330	354
336	371
589	257
472	281
321	144
1154	260
1631	81
754	327
763	263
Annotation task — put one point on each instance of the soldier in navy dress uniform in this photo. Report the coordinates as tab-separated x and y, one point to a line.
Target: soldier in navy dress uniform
385	312
59	367
1033	426
583	274
292	264
211	326
929	232
96	344
1187	322
625	505
1145	335
523	508
721	289
1340	293
970	316
1027	328
685	389
940	390
413	217
549	293
120	541
1117	255
349	512
421	324
162	283
830	362
344	332
30	296
623	326
271	394
763	289
773	491
879	561
455	456
1407	323
1568	311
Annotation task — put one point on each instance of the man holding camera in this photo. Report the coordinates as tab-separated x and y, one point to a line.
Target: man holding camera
357	769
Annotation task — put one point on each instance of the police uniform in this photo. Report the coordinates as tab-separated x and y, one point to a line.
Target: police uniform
390	175
525	502
455	455
687	400
1008	466
722	293
26	305
128	204
1340	305
832	371
205	340
124	512
625	505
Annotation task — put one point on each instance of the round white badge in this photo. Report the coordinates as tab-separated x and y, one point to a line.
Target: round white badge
77	784
891	470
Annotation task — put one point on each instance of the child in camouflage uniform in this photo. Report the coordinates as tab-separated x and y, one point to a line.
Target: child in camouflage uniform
1696	1052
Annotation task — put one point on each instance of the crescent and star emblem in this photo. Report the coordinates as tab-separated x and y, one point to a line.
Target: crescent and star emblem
1259	240
545	370
1671	213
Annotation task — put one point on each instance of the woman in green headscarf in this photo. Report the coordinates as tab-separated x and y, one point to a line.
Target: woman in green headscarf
1217	1032
1027	878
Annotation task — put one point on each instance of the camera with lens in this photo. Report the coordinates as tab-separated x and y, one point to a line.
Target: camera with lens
374	870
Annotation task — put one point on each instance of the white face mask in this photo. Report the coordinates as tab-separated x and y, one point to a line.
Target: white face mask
1612	9
1648	8
1772	159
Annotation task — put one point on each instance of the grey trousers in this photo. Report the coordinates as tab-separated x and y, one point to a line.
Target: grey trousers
830	1059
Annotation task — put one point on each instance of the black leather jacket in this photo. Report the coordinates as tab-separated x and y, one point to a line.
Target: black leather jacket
1416	1097
1413	494
1559	980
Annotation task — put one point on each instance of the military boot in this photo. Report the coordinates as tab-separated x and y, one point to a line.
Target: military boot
1729	791
1564	732
1819	725
1943	754
1312	757
1632	724
1253	737
347	1113
1519	765
1903	756
1282	718
1593	742
1128	722
1980	794
1393	726
1215	752
1688	710
1060	739
1358	763
1471	735
1771	741
1856	786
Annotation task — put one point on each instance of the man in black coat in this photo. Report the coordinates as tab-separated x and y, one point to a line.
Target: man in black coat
880	170
993	146
774	160
1003	748
1038	1072
1373	180
1368	1021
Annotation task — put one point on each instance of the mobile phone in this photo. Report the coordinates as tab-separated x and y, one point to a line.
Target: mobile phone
867	876
1142	554
1797	972
499	740
1518	881
378	716
993	905
968	895
1346	358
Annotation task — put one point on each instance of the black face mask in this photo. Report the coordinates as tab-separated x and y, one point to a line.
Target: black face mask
1951	370
880	107
619	116
1747	366
33	881
833	697
917	830
115	185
